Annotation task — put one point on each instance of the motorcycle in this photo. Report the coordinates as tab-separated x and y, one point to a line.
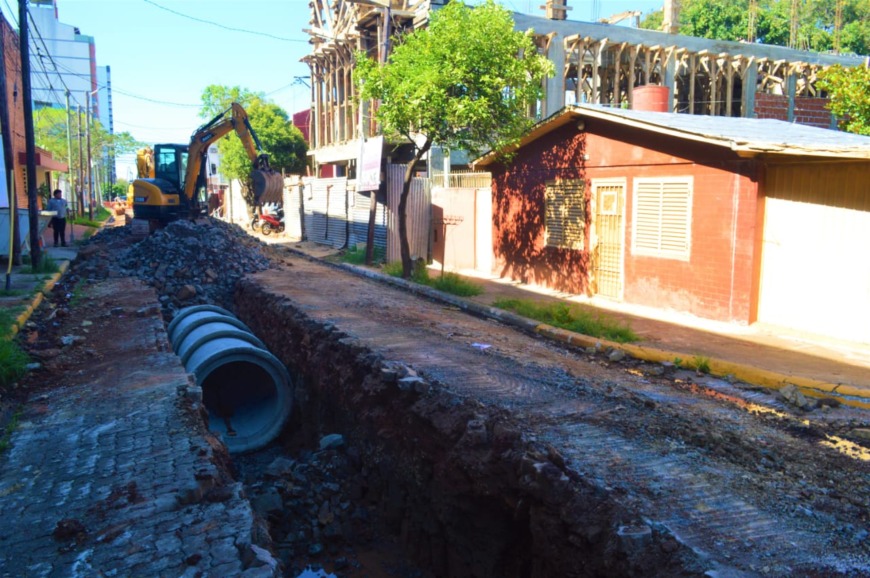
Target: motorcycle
270	222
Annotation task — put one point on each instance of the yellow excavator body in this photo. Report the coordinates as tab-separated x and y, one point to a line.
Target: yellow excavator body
171	182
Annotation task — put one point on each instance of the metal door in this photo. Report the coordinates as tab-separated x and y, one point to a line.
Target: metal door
608	233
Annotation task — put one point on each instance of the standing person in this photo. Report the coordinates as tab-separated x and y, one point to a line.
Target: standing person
58	222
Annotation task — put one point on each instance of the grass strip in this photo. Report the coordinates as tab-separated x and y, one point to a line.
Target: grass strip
571	318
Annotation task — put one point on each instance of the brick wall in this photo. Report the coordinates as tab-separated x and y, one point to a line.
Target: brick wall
808	111
717	280
16	108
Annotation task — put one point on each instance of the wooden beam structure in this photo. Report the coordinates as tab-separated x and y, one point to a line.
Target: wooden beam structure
595	63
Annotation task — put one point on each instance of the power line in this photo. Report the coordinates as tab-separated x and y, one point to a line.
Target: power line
254	32
50	59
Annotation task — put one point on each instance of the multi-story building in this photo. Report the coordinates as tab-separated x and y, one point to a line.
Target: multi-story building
595	63
63	59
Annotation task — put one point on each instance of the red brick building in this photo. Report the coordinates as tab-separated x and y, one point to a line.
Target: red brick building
730	219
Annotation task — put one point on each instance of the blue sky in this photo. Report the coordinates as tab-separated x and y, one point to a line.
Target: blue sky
163	53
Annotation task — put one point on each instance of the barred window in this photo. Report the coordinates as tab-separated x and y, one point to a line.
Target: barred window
565	206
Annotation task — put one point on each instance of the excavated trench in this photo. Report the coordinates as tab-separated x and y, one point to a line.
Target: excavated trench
453	479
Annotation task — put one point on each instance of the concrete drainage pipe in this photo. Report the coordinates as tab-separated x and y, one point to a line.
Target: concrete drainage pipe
246	389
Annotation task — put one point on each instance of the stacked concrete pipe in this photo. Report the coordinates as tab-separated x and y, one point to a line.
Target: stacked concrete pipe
245	388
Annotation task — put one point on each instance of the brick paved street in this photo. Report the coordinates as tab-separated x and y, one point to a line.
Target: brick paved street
112	472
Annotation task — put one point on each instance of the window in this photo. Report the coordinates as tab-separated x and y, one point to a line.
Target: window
662	218
565	206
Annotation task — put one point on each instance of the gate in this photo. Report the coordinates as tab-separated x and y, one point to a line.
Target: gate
608	233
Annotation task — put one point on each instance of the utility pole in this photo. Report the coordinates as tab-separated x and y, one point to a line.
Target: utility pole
90	173
69	170
794	20
752	24
81	190
29	139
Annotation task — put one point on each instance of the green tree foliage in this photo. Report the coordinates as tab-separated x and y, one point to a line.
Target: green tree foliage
464	82
50	133
849	92
282	141
216	99
729	20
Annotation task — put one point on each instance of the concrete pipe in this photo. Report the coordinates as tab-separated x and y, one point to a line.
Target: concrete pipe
202	320
246	390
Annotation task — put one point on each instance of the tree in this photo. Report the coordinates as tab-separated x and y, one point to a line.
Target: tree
50	134
282	141
729	20
216	99
849	93
465	82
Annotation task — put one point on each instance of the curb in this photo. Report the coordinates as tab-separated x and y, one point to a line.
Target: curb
37	299
718	367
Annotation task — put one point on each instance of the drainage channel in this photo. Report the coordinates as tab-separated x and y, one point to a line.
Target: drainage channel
311	498
478	464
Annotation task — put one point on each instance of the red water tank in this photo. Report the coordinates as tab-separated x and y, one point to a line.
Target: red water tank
651	97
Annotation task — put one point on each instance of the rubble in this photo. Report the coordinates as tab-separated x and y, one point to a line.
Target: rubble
187	262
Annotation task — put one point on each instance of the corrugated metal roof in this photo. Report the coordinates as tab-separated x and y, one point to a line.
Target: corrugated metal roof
745	136
740	134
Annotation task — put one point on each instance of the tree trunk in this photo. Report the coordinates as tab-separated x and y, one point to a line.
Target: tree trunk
407	265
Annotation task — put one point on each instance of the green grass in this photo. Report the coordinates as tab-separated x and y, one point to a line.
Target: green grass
701	363
355	256
448	283
6	434
7	318
456	285
13	362
101	215
45	265
571	318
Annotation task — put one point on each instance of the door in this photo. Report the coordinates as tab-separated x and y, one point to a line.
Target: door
607	237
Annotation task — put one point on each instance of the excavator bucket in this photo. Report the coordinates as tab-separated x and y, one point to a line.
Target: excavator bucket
268	186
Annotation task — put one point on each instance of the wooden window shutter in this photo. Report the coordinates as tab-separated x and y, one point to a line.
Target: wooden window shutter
662	218
565	219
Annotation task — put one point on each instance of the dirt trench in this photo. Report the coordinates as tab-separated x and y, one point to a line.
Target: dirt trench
454	478
489	452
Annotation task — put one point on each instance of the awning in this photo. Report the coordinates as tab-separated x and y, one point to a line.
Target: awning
44	161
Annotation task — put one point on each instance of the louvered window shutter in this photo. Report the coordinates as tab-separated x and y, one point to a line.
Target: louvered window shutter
662	218
565	208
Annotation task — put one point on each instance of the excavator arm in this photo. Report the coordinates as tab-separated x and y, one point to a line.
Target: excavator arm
264	179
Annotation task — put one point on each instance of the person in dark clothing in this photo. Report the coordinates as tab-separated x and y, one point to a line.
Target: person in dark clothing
58	222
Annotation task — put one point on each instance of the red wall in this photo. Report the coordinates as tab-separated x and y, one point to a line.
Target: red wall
302	121
808	111
15	105
717	281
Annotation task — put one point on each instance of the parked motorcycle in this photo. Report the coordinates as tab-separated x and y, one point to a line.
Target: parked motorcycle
272	222
269	219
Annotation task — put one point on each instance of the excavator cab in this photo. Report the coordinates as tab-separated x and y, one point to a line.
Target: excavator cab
161	198
171	163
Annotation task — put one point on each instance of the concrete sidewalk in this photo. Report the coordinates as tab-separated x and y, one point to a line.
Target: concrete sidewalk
758	354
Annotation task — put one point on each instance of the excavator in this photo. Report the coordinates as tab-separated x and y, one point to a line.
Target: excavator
171	183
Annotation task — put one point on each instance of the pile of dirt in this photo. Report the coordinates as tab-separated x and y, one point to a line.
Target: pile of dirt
187	262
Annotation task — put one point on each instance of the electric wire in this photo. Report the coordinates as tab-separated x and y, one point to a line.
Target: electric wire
50	58
230	28
41	62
